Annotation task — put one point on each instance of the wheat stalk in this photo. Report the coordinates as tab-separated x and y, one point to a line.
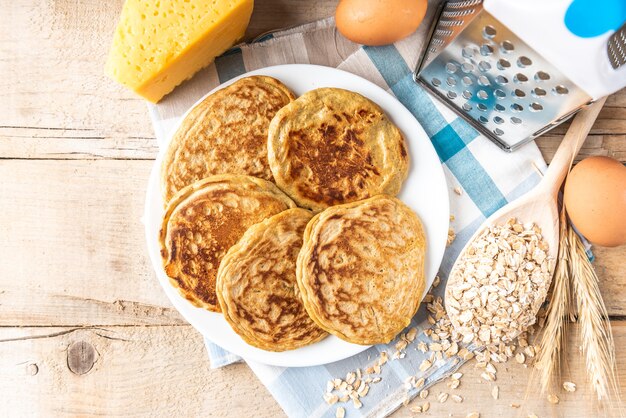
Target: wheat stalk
554	334
596	336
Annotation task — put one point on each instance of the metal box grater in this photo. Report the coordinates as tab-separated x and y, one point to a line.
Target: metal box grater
492	78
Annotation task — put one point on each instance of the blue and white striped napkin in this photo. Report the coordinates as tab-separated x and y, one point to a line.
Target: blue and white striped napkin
484	177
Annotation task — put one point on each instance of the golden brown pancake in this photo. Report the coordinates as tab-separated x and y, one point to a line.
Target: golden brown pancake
361	269
225	134
257	289
332	146
203	220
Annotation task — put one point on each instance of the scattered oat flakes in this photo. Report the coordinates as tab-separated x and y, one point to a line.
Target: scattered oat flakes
435	347
473	415
532	416
569	386
553	399
520	358
426	407
424	394
416	409
457	398
495	392
331	399
442	397
350	378
437	281
357	403
453	383
340	412
425	365
489	377
457	376
330	385
377	379
451	236
515	405
411	334
419	383
458	191
421	346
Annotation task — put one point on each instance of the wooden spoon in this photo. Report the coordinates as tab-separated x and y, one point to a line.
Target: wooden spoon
540	204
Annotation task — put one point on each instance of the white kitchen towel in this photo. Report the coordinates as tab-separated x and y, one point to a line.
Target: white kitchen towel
484	177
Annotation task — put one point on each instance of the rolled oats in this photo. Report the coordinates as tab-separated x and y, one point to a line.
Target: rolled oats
499	284
569	386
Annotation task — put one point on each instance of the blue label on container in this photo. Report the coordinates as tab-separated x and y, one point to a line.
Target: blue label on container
590	18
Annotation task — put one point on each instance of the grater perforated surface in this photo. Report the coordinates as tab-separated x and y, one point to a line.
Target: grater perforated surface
493	79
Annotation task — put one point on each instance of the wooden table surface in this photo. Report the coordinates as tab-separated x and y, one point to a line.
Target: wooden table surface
84	327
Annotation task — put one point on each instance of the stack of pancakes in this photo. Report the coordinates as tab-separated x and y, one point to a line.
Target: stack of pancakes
280	214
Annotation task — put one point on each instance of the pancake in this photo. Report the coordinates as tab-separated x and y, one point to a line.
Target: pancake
257	289
203	220
225	134
361	269
332	146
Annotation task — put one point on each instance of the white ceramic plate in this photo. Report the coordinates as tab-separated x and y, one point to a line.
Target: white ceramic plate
424	190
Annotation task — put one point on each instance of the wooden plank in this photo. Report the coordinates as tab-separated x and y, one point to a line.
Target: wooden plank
73	249
122	371
608	145
163	371
269	15
51	61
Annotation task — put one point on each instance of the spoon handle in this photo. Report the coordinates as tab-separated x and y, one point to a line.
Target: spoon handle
571	144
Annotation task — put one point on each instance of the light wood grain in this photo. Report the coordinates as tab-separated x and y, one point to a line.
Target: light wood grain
75	153
136	371
163	371
73	249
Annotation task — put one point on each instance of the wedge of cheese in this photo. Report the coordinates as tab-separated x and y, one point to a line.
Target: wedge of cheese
159	44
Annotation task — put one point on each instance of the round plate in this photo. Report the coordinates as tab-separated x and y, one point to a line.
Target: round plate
424	190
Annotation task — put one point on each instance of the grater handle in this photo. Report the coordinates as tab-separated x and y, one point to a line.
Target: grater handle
569	147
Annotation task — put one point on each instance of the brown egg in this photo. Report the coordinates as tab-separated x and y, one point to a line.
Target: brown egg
379	22
595	199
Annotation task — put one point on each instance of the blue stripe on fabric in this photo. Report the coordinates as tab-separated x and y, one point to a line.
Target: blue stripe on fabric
476	182
230	65
465	130
449	144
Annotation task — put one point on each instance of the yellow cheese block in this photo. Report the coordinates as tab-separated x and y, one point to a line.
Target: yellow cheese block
159	44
